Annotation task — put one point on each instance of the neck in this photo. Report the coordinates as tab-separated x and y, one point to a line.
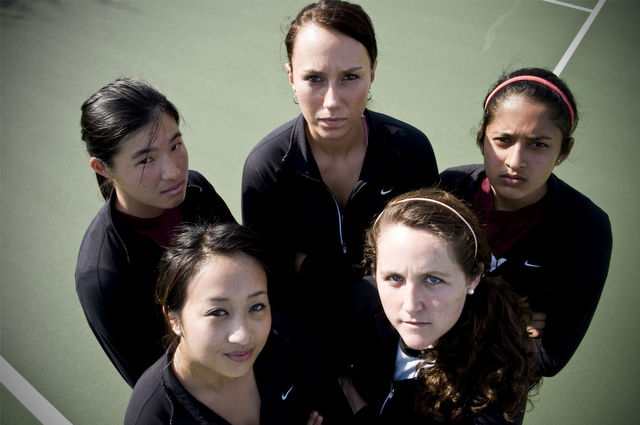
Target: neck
353	141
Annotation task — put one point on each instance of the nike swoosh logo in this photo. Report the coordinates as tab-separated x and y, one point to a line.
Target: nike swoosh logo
528	264
284	396
385	192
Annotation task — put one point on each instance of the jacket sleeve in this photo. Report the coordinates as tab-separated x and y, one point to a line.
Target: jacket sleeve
131	341
575	295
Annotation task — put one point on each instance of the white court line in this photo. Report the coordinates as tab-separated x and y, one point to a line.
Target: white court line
576	41
573	6
29	396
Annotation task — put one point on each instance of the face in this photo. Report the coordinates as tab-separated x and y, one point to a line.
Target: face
150	172
423	290
331	74
521	147
225	321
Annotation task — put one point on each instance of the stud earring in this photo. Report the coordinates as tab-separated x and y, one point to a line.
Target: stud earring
471	291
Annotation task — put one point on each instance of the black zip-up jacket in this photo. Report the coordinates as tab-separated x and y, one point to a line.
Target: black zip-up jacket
116	277
285	200
290	381
560	265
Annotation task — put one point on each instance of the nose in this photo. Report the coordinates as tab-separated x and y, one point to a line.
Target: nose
411	302
239	333
515	157
170	169
331	97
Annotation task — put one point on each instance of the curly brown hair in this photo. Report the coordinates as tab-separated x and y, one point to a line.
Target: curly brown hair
485	359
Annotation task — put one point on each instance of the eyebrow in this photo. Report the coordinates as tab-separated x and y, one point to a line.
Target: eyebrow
346	71
509	133
149	148
222	299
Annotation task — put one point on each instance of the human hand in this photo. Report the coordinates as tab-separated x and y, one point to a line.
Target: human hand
355	401
315	419
535	330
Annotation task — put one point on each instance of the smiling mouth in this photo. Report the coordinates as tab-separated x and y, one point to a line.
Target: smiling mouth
240	356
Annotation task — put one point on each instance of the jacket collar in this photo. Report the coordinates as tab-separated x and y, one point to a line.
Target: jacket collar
380	155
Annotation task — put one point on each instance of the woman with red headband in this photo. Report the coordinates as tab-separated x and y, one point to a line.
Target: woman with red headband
550	242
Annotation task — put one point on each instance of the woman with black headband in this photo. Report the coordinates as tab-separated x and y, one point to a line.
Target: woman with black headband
550	242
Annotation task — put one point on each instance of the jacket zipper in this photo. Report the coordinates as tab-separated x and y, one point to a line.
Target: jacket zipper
335	201
389	397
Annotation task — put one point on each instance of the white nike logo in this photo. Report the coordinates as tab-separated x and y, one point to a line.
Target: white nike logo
528	264
284	396
384	192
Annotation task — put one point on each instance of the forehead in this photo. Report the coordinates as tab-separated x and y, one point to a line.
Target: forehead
518	109
227	276
316	40
151	134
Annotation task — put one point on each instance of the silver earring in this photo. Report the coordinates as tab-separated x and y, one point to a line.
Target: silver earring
470	291
295	97
369	98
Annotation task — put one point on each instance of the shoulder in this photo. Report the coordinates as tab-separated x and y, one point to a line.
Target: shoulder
461	172
101	248
274	146
462	180
577	208
149	402
397	133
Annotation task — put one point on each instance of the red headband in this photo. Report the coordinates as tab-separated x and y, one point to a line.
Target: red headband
542	81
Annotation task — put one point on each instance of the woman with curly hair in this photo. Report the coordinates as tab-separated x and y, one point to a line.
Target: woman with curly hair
447	343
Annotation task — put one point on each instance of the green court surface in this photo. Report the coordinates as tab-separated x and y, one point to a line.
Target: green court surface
222	64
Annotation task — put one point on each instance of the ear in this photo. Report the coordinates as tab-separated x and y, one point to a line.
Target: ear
373	71
287	66
174	321
473	283
564	156
99	167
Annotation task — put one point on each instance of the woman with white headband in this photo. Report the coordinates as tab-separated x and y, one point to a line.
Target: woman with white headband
549	242
449	344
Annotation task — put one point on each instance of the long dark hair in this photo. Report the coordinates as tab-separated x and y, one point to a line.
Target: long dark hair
117	112
485	359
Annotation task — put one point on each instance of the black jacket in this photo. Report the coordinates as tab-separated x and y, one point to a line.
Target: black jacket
560	265
285	200
290	381
116	277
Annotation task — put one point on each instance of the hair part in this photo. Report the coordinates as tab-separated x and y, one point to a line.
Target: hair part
485	359
189	250
115	114
347	18
536	93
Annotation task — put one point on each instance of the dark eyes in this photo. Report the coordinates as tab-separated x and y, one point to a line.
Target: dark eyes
218	312
316	79
257	307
